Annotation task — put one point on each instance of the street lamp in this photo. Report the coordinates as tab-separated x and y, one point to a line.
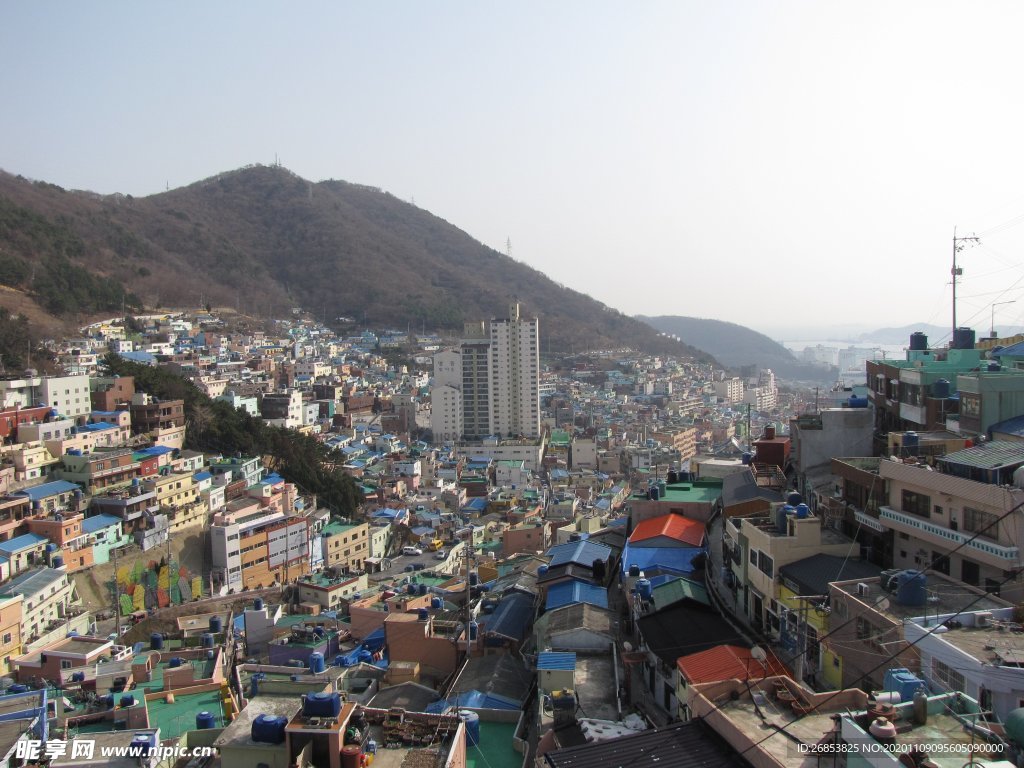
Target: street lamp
992	333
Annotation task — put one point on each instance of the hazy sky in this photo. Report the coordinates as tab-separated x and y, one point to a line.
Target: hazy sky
775	164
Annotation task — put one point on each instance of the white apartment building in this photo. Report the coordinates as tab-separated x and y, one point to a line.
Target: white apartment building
491	384
730	390
515	364
69	395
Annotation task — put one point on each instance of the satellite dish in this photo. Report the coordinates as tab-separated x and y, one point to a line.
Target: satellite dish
758	654
627	646
882	603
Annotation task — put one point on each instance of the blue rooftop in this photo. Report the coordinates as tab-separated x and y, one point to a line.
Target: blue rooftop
99	522
46	490
474	700
24	541
675	560
575	591
96	426
511	618
156	450
200	476
556	660
580	552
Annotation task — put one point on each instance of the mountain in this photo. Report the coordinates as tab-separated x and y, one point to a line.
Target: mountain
738	347
263	240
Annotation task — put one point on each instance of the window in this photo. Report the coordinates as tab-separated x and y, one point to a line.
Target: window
7	638
916	503
765	564
947	676
940	562
65	664
981	523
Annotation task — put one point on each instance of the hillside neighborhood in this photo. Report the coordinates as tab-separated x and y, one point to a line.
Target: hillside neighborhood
513	559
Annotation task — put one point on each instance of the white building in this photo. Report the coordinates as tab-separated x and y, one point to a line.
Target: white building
729	390
491	384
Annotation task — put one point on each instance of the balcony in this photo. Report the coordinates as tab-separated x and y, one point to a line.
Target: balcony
997	555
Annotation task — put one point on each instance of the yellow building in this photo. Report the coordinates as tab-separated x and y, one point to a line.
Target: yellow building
10	631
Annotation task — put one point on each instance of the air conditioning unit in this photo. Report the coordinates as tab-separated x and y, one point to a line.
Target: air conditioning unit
863	590
983	618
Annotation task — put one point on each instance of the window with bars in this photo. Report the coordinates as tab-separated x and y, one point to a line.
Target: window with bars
981	523
946	676
916	503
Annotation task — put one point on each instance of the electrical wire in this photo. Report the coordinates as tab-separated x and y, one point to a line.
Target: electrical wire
929	633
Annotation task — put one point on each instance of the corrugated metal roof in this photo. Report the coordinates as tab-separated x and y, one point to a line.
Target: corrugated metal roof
674	590
556	660
671	526
582	552
24	541
45	490
575	591
728	662
651	560
998	453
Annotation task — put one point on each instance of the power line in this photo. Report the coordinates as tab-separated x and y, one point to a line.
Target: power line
890	657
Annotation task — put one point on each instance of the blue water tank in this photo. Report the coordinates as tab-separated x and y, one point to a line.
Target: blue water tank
685	476
655	493
422	614
473	628
794	498
322	704
911	443
176	662
58	562
156	642
316	663
911	588
802	511
472	724
857	402
994	366
142	745
257	604
205	720
410	589
542	570
940	389
206	640
77	677
51	547
436	603
673	478
18	688
422	589
644	589
474	579
919	341
634	570
268	729
902	681
127	700
216	624
747	457
107	701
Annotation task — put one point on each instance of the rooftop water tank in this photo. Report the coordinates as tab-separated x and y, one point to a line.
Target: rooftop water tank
655	493
802	511
58	562
268	729
644	589
316	663
782	518
918	341
322	704
422	589
175	662
216	624
206	640
673	478
634	570
156	642
940	389
994	366
257	604
422	614
542	570
51	547
911	443
205	720
911	588
902	681
794	498
857	402
351	756
472	724
474	579
127	700
963	338
436	603
473	628
747	457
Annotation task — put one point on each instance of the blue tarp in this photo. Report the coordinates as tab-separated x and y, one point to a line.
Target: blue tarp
653	560
474	700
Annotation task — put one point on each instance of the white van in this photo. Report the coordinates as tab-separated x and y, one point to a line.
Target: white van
412	551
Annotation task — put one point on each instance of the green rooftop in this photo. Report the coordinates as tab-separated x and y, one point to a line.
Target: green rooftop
706	491
495	747
672	592
175	719
334	528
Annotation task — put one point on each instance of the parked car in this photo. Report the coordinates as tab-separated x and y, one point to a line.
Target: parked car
441	555
412	551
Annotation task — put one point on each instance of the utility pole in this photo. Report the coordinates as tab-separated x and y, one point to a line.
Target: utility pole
801	629
117	596
469	595
959	243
